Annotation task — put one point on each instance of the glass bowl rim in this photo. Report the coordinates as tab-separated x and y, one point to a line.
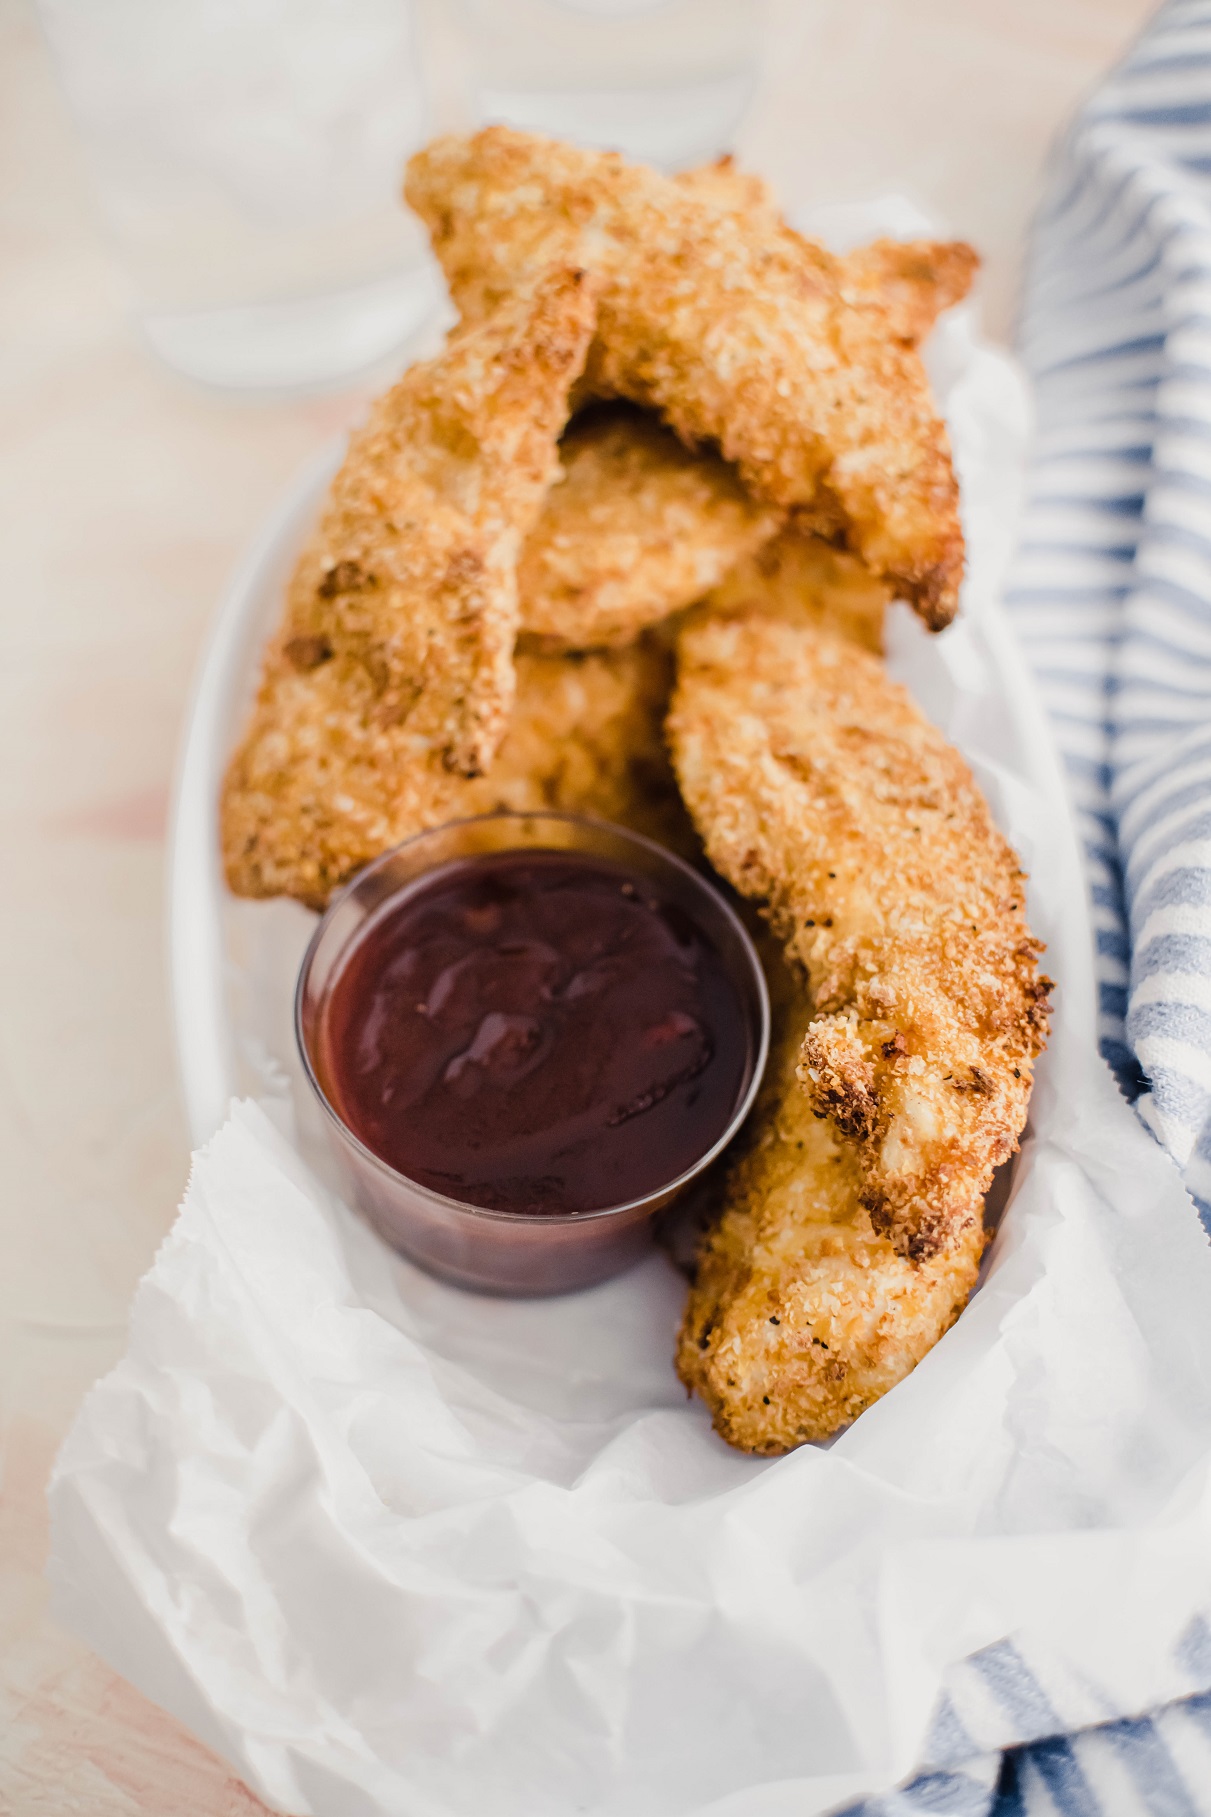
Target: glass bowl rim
545	1220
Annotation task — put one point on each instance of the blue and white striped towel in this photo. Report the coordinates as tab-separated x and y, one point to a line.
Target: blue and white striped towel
1113	585
1111	593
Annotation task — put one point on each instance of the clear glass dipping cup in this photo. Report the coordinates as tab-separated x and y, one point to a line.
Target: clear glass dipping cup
496	1252
248	157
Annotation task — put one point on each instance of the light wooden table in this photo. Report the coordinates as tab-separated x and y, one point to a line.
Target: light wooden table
125	497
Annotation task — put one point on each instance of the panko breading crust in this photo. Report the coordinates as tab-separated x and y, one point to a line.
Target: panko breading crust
640	527
801	1315
588	737
637	529
725	185
820	788
805	580
319	788
319	785
734	328
914	280
412	570
395	661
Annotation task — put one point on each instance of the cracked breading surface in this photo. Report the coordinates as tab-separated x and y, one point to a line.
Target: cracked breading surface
412	569
801	1315
319	788
736	330
820	788
636	529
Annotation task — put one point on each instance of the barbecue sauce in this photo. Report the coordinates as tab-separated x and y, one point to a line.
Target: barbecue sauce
534	1032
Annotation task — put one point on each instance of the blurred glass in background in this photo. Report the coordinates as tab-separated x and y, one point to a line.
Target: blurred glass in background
665	81
249	155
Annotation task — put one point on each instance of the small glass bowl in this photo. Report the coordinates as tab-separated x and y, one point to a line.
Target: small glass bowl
505	1252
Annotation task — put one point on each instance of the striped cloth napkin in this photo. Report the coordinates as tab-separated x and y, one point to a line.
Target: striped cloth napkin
1111	593
1112	588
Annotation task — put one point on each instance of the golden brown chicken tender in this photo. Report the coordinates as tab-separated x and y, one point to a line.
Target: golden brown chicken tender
412	570
588	737
637	529
319	788
725	185
801	578
734	329
801	1315
913	280
820	788
319	785
640	527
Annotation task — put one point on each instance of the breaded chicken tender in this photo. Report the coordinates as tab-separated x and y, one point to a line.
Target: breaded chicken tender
819	788
412	570
640	527
637	529
318	788
725	185
588	738
736	330
801	1314
801	578
319	785
913	280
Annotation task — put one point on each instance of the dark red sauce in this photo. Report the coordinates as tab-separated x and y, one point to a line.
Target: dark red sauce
535	1032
